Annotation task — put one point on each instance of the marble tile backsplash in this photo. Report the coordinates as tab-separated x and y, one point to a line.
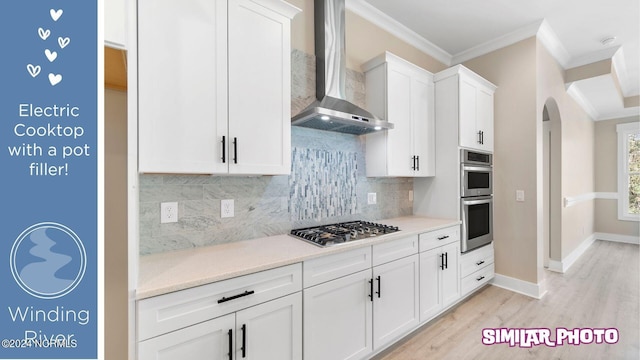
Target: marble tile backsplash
327	184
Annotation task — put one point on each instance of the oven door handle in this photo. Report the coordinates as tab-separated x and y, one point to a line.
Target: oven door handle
476	168
478	200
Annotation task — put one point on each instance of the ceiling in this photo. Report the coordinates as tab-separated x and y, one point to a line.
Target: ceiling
454	31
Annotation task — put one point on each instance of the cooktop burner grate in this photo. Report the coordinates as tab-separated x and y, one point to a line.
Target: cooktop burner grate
335	234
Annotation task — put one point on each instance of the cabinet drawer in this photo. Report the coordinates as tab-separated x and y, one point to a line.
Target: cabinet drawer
331	267
165	313
477	279
476	260
393	250
440	237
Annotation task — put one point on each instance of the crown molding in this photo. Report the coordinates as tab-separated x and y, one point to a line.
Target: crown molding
579	98
511	38
623	113
552	43
384	21
620	67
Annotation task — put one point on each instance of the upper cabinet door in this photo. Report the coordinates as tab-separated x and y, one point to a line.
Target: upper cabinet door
115	23
423	126
259	89
399	139
401	93
475	112
182	85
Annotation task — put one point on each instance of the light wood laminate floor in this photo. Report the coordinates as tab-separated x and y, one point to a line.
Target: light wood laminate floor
600	290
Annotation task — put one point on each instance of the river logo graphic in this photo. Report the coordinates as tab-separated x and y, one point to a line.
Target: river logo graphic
48	260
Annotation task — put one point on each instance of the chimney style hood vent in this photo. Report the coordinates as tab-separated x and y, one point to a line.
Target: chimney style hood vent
331	111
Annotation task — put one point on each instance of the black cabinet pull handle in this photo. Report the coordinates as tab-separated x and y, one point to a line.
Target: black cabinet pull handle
441	261
418	161
224	149
225	299
413	167
480	262
371	290
479	137
446	260
230	333
443	237
378	292
480	278
244	341
235	150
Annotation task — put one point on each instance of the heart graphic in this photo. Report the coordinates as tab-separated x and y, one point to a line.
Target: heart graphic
63	42
55	14
51	55
44	34
33	70
54	79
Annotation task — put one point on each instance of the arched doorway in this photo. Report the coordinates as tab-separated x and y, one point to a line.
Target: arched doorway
552	175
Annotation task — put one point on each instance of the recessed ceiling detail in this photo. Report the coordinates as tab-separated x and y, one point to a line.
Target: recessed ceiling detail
575	32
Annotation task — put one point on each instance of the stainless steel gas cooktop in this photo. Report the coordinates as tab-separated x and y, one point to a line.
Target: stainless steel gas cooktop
335	234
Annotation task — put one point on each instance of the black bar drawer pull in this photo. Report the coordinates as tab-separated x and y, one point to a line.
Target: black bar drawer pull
225	299
378	292
224	149
418	162
371	290
480	262
480	278
235	150
443	237
244	341
230	333
441	261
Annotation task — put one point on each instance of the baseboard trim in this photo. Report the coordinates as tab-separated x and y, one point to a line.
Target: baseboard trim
627	239
536	291
567	262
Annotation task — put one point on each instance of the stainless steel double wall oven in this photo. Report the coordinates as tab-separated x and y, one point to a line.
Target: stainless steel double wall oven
476	199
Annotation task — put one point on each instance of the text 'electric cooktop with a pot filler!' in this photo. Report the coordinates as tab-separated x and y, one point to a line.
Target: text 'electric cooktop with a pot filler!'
340	233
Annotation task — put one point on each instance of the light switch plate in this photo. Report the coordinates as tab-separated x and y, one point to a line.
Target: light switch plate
372	198
520	195
168	212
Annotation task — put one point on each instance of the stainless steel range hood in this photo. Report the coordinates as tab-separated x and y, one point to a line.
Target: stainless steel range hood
331	111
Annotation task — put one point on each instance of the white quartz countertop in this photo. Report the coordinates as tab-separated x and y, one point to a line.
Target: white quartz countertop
178	270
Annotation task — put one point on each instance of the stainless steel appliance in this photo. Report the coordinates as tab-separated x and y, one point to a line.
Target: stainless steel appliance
331	111
340	233
476	199
476	173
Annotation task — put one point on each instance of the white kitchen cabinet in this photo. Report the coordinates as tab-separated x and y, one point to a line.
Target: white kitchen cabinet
396	300
476	268
114	23
269	331
467	100
338	318
439	275
264	308
351	315
403	94
214	86
210	340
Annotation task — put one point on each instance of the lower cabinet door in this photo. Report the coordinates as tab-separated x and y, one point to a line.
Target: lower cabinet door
210	340
430	268
270	331
395	304
451	274
338	319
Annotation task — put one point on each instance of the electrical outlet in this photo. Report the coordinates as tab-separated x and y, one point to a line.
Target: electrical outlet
168	212
410	195
519	195
371	199
226	208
